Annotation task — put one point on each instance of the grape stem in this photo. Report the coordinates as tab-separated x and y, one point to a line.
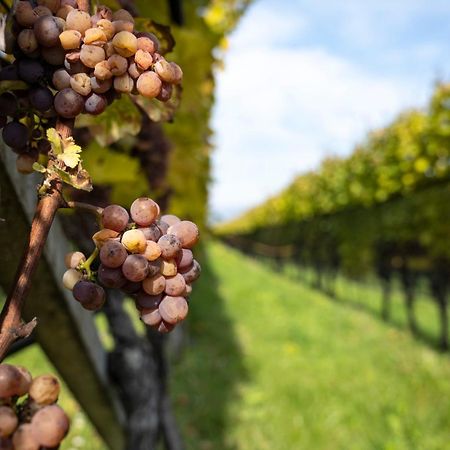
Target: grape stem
97	210
87	264
12	327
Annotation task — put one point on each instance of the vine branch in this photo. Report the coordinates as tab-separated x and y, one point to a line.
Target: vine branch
12	327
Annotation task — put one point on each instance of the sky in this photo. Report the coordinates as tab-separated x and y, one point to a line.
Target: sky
305	79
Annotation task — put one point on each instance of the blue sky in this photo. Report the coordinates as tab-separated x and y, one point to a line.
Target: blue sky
307	79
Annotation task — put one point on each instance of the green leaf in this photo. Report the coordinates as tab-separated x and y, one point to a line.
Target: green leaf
39	167
55	141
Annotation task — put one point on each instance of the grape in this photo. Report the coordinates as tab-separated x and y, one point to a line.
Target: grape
102	13
107	27
144	211
118	65
192	273
147	301
170	246
163	226
152	232
166	92
125	43
47	30
64	11
168	267
52	5
134	241
152	251
151	317
81	83
30	70
135	268
154	267
73	259
27	41
90	295
102	71
123	25
154	285
115	218
165	327
91	55
95	36
149	47
70	39
146	44
78	20
134	71
184	259
173	309
170	219
100	86
54	56
113	254
50	425
103	236
69	103
188	290
122	14
175	285
43	146
25	381
41	98
23	438
24	14
10	380
8	104
109	49
8	421
74	67
124	83
186	231
131	287
44	389
15	134
71	277
111	278
10	72
95	104
143	59
149	85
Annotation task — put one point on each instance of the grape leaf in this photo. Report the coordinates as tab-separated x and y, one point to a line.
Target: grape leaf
55	141
70	155
39	167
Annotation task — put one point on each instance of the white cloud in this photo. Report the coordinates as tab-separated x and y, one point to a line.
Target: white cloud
280	110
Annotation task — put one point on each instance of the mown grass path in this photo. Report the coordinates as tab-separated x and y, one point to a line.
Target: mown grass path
273	364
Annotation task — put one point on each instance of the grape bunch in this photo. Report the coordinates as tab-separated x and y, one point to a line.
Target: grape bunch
74	63
146	256
30	419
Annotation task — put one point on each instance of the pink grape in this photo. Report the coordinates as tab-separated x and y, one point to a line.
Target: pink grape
135	268
144	211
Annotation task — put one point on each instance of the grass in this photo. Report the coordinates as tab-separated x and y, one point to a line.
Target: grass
273	364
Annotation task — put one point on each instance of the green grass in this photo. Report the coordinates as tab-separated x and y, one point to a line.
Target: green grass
273	364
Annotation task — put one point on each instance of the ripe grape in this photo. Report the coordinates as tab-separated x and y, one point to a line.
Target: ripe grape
102	12
146	44
15	134
186	231
166	92
122	14
184	259
95	104
102	71
10	380
30	70
24	14
10	72
47	30
78	20
113	254
149	85
118	65
61	79
91	55
148	47
163	226
50	425
170	245
54	55
154	267
165	327
95	36
44	389
175	285
90	295
70	39
25	381
154	285
125	43
64	11
143	59
135	268
52	5
8	104
8	421
111	278
147	301
192	273
41	98
130	287
81	83
173	309
107	27
100	86
151	317
188	290
168	267
71	277
152	251
134	241
124	83
69	103
123	25
73	259
152	232
134	71
27	41
144	211
23	438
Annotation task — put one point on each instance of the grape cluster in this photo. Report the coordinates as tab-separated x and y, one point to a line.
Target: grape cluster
74	63
146	256
30	419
